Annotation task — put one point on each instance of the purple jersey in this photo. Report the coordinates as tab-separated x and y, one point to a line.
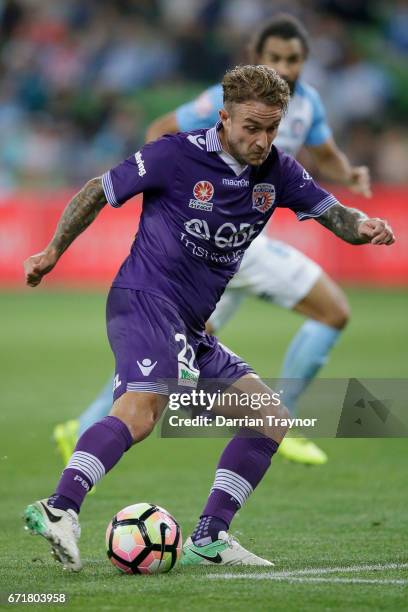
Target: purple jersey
199	217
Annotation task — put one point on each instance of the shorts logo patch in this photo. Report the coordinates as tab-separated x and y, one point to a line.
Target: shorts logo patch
147	366
188	374
203	191
263	196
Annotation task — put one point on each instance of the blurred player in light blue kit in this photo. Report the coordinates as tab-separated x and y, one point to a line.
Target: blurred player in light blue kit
271	270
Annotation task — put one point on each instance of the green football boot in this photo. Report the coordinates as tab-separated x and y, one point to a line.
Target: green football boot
60	528
65	437
302	450
224	551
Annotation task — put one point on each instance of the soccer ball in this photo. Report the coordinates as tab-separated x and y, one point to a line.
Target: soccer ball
143	539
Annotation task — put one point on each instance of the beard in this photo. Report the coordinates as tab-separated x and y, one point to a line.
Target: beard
247	158
291	85
234	152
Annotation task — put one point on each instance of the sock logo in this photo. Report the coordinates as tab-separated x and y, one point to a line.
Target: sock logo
82	481
146	367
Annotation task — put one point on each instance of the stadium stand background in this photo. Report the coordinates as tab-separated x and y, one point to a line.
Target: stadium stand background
80	81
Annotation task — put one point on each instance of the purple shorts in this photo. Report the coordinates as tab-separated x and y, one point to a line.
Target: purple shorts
154	348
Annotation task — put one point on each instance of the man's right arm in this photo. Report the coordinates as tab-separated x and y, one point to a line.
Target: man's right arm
78	214
166	124
152	168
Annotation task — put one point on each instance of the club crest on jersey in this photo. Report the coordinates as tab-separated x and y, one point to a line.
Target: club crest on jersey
203	191
263	196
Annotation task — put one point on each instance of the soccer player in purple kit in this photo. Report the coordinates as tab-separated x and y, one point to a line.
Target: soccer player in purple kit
270	270
193	232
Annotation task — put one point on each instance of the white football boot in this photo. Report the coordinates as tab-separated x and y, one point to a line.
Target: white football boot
60	527
224	551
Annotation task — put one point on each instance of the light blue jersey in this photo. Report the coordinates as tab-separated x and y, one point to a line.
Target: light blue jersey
304	124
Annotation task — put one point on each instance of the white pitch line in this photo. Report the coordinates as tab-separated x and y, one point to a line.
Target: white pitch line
351	580
332	580
313	571
379	567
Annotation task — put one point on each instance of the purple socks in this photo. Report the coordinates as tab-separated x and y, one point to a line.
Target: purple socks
98	449
241	467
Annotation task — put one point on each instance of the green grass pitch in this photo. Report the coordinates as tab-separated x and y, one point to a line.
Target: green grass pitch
351	513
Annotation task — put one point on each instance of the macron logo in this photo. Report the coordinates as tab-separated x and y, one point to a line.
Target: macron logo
140	163
146	366
198	141
235	182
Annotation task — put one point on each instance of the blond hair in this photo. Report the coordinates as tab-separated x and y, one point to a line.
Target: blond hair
260	83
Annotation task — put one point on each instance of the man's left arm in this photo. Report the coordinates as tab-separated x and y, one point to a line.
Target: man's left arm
334	166
298	191
355	227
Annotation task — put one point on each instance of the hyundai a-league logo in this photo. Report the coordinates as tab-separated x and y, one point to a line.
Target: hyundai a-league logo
203	191
263	196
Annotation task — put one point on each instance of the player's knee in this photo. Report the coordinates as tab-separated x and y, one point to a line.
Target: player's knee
326	303
140	412
335	311
339	315
142	426
283	414
276	422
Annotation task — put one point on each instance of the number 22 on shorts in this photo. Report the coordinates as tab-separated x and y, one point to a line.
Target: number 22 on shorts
188	374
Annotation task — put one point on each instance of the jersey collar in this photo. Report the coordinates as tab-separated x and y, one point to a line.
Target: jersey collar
212	139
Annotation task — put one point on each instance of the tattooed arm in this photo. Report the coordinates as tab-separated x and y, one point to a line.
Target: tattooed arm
78	214
353	226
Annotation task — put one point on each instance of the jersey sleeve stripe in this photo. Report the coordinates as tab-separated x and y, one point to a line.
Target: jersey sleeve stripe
318	209
108	189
